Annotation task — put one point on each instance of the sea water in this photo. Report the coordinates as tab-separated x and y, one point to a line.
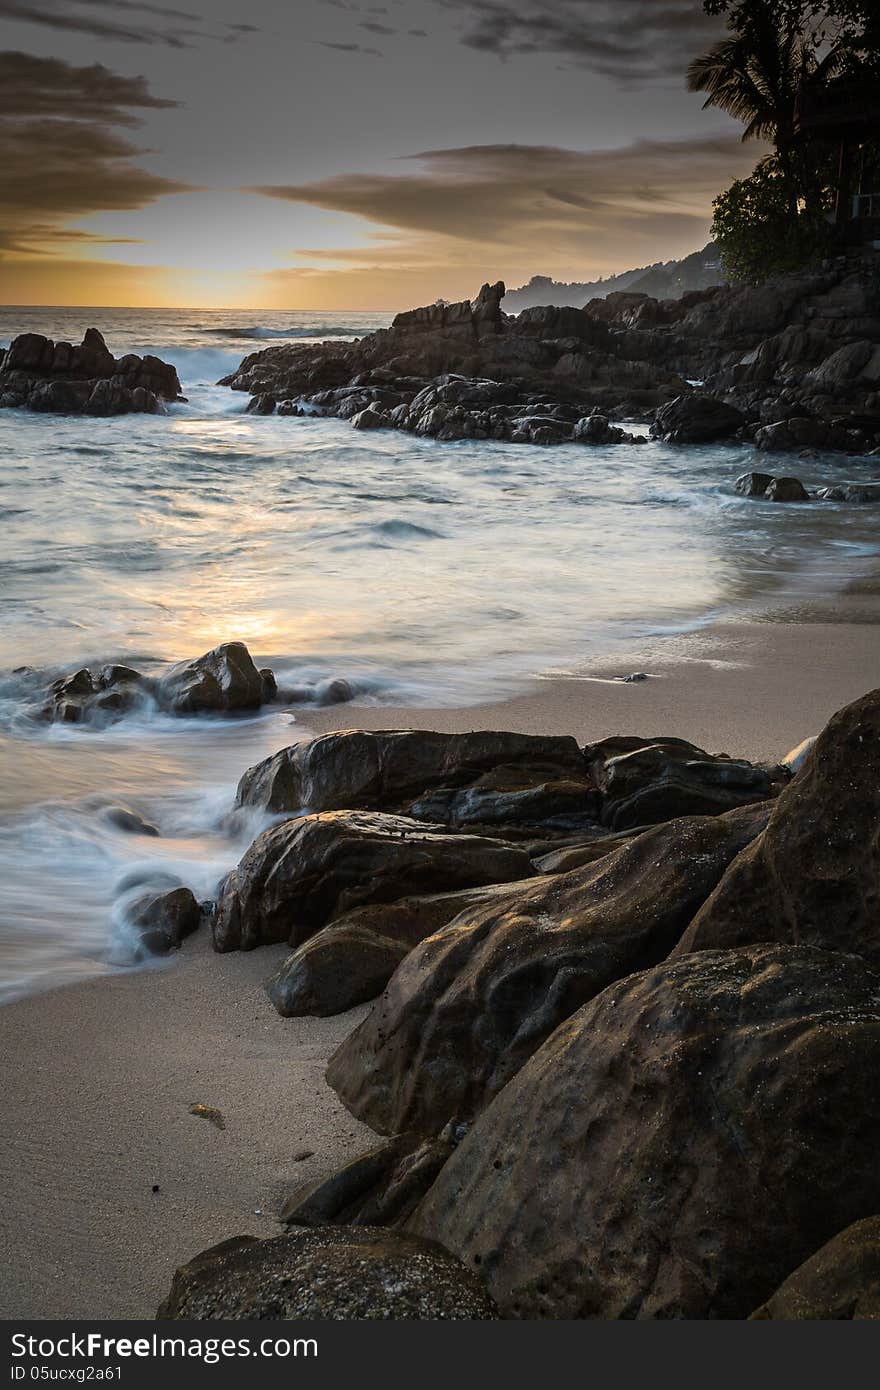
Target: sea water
417	571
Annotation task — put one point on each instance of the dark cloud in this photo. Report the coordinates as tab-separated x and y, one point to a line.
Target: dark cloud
121	21
60	154
542	196
349	48
31	86
627	40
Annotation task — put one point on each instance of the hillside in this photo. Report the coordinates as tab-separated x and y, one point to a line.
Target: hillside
663	280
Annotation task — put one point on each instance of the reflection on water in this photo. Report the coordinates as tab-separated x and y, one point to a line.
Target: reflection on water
418	571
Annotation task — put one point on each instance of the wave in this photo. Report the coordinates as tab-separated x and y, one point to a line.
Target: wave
261	331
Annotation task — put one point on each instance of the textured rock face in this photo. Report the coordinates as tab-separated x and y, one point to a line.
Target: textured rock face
43	375
353	958
679	1145
696	419
647	781
379	1188
223	679
814	875
473	1002
336	1273
841	1281
389	770
298	876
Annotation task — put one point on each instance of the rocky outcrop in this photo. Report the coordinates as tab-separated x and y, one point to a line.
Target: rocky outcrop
465	371
301	874
840	1282
678	1146
86	380
223	680
813	877
473	1002
337	1273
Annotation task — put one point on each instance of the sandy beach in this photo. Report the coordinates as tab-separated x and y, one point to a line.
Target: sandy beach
101	1076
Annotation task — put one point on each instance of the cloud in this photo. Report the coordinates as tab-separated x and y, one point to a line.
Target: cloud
60	154
626	40
122	21
349	48
31	86
541	205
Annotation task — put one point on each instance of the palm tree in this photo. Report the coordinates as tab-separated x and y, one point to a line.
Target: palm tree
756	76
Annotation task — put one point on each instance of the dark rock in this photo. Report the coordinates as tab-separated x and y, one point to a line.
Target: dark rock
129	821
97	698
679	1145
388	769
473	1002
813	877
646	781
840	1282
753	484
298	876
343	965
336	1273
223	679
59	377
352	959
261	405
163	920
380	1188
787	490
696	419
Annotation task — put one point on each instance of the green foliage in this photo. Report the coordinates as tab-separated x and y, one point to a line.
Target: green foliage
759	229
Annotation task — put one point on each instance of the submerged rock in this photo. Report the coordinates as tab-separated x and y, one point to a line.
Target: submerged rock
679	1145
840	1282
336	1273
298	876
468	1007
786	490
222	680
753	484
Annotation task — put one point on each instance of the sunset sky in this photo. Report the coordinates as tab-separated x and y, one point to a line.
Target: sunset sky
340	154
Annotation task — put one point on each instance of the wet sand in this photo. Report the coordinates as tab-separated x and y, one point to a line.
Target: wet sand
100	1076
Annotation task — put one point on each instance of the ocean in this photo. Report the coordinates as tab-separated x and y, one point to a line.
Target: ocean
419	572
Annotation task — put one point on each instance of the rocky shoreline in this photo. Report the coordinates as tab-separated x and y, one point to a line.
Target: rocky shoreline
624	992
60	378
791	365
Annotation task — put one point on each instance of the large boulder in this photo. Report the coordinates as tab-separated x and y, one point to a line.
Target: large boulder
678	1146
338	1273
696	419
223	679
468	1007
391	769
840	1282
814	875
647	781
299	875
